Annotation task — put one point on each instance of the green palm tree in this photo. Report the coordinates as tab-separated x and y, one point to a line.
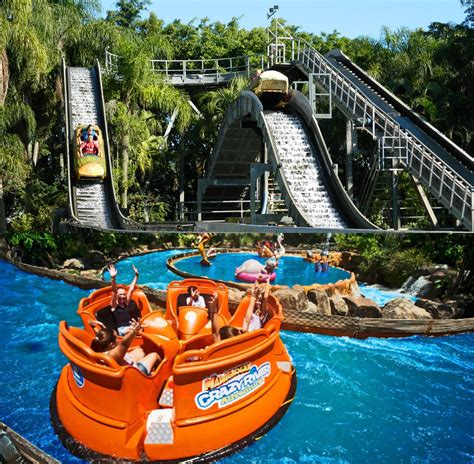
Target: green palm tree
140	91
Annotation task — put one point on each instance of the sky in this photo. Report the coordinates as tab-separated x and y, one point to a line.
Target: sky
351	18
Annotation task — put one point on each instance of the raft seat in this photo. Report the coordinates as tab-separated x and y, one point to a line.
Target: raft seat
177	294
183	297
129	390
274	309
78	341
97	307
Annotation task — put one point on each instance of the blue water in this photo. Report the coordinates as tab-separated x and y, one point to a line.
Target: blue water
401	400
291	270
152	268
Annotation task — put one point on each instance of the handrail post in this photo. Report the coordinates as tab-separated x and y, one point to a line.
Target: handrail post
184	69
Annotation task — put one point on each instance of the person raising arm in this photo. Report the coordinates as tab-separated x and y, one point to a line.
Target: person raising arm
121	301
257	313
106	341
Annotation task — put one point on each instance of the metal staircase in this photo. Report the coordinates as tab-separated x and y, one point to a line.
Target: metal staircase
406	141
276	203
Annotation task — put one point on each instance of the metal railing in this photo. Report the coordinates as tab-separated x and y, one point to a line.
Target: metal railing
215	70
240	208
447	185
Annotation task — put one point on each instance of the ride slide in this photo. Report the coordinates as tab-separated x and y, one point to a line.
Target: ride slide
91	199
404	115
307	168
298	156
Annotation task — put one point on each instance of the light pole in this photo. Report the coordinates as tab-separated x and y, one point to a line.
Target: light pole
272	11
271	44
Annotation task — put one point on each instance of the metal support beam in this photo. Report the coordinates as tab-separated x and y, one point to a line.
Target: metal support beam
426	203
317	95
256	171
351	148
181	188
204	184
171	123
394	181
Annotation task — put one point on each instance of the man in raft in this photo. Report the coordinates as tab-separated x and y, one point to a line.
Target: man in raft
123	308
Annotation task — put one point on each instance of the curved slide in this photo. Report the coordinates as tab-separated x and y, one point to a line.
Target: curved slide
91	202
299	159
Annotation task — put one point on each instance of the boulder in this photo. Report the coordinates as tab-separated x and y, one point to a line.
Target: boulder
338	306
96	259
91	274
311	307
355	290
350	261
73	263
321	300
362	307
292	298
440	274
445	310
402	308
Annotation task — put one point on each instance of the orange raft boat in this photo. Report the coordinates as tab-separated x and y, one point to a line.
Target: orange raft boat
204	400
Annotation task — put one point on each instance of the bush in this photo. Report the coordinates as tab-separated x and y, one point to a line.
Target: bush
36	246
398	266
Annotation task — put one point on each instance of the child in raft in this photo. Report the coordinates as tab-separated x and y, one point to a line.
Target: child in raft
107	341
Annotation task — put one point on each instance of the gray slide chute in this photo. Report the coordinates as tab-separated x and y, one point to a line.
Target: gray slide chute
91	202
297	154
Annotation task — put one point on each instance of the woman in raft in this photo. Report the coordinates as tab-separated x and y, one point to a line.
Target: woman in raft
107	341
256	316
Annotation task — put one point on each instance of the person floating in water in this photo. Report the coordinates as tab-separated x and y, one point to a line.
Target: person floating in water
270	265
322	265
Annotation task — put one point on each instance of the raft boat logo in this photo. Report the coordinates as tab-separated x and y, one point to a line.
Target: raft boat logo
78	375
231	385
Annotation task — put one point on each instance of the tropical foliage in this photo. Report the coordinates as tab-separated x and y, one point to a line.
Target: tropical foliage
429	69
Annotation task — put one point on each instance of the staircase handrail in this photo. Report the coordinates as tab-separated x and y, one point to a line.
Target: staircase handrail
381	120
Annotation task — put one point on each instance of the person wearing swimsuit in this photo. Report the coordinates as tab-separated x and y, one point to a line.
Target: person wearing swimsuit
106	341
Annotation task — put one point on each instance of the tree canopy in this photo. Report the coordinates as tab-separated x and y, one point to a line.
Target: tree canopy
431	70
